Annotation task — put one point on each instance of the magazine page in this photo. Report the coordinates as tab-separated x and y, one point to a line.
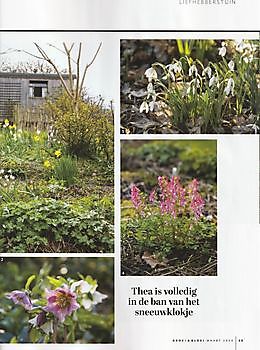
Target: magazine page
129	174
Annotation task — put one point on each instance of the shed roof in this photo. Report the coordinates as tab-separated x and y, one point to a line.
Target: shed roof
38	76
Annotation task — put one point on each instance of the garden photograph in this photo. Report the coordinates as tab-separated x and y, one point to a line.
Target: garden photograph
190	86
169	208
57	300
56	152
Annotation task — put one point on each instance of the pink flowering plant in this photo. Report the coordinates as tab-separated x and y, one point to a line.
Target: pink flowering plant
55	314
172	216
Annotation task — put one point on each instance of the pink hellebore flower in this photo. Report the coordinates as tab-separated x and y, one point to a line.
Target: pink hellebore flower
21	298
61	302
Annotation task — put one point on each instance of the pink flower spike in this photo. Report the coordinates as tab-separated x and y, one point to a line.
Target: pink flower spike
152	196
20	298
61	302
135	197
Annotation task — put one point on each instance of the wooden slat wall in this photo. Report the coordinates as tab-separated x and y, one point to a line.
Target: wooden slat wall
10	95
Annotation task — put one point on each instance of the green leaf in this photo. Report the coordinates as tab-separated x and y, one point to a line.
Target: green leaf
55	282
29	281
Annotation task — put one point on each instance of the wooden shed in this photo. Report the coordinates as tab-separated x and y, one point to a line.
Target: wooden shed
27	90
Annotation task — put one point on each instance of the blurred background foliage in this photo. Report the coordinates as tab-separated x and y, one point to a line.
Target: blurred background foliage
145	160
96	326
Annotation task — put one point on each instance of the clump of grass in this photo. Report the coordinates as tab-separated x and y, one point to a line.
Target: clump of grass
66	170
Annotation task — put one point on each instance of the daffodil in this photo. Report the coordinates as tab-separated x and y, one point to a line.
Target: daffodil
6	122
36	138
57	153
47	164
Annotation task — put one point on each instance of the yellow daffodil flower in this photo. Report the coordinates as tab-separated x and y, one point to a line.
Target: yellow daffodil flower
57	153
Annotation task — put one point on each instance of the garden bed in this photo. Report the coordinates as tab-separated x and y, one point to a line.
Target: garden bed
51	198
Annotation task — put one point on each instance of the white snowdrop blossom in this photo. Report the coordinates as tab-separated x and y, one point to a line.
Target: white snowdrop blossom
222	51
150	88
213	81
248	59
207	71
229	89
2	171
240	46
176	67
193	70
144	107
151	74
152	105
231	65
194	84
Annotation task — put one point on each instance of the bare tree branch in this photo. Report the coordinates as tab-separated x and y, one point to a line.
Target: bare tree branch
87	67
46	58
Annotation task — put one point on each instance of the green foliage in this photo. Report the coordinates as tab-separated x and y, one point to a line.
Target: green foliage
66	170
53	225
163	234
86	132
195	159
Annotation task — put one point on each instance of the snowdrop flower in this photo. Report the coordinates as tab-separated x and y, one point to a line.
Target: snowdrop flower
231	65
194	84
248	59
151	74
152	105
240	46
222	50
150	89
214	81
230	87
144	107
193	70
2	171
177	67
12	177
207	71
174	171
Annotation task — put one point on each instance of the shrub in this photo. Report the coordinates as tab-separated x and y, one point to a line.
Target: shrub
87	132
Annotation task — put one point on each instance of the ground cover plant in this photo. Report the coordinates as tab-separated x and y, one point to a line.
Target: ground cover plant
168	208
55	198
56	300
190	86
